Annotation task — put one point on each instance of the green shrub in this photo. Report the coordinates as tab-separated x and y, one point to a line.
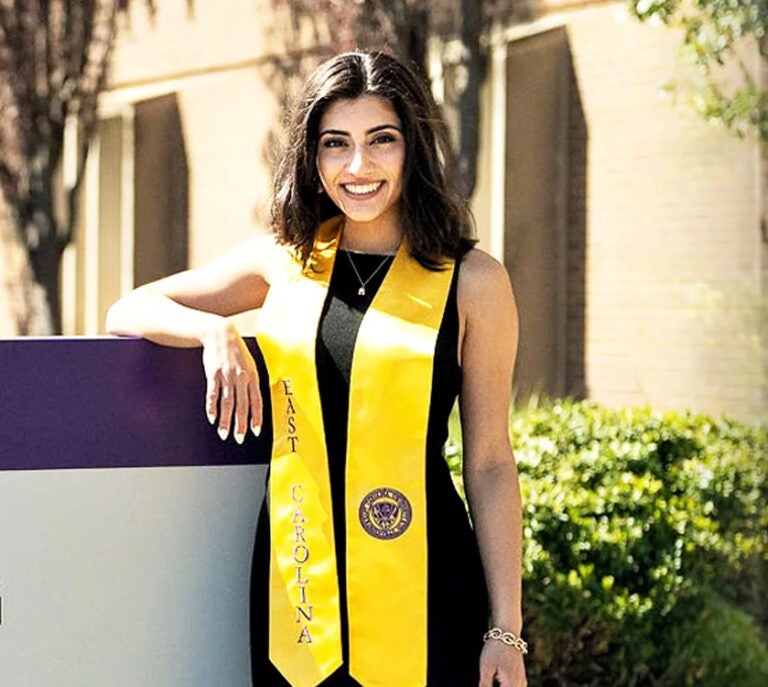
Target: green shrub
632	518
714	644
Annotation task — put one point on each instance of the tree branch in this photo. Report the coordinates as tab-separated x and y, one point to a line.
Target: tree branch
8	184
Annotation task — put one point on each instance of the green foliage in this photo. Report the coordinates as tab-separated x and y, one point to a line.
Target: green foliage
704	650
716	33
632	520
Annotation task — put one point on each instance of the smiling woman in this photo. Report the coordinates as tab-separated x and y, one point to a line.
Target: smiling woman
366	569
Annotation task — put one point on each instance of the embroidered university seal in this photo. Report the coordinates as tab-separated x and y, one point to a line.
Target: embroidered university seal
385	513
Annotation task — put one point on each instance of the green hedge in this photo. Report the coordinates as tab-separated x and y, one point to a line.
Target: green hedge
645	555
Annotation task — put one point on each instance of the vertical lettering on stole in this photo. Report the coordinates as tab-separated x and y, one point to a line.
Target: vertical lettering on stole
300	557
290	414
301	552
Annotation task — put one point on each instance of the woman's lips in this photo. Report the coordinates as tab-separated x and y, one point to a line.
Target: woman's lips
362	191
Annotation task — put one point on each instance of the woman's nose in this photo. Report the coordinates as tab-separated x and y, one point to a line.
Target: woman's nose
358	160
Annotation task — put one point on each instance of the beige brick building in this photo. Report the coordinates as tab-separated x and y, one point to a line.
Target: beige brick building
631	229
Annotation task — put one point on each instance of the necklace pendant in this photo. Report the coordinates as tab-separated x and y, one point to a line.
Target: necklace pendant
361	291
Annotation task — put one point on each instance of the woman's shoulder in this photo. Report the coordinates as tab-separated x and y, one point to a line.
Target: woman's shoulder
487	311
263	255
482	278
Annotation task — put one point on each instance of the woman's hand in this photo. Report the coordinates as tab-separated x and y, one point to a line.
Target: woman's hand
501	665
232	382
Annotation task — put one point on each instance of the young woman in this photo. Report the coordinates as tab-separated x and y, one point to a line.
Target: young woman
376	312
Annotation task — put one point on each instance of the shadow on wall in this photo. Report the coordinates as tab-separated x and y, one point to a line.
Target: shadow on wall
161	179
545	242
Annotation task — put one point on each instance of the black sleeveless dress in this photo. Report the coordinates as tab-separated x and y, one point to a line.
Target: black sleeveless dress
457	605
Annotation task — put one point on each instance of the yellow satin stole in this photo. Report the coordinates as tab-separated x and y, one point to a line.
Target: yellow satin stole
386	556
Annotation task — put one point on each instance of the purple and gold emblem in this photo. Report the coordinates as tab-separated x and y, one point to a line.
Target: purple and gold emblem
385	513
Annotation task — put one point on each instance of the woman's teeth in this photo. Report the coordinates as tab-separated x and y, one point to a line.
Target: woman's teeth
362	189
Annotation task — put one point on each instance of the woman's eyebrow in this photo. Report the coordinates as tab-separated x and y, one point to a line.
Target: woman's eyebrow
381	127
373	130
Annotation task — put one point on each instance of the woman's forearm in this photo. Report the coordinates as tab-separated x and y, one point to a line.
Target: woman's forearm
495	504
154	316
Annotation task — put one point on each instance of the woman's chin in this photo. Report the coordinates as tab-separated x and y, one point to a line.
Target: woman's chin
368	215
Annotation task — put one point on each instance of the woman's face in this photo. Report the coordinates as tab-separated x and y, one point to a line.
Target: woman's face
360	158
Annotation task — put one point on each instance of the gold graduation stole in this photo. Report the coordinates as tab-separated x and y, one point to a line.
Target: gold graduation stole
386	557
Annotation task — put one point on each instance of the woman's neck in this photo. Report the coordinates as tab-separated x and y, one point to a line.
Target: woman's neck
370	237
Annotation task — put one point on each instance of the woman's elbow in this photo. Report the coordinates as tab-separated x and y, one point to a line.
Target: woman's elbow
112	321
119	319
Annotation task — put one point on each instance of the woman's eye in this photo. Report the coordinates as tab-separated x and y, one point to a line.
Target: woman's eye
384	138
333	143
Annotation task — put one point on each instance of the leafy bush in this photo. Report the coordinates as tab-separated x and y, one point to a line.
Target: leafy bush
713	643
641	528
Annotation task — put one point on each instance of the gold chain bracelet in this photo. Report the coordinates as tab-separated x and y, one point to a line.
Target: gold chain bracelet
508	638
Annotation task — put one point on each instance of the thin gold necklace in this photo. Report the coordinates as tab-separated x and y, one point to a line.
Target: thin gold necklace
361	290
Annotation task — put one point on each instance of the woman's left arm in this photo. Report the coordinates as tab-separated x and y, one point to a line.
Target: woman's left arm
489	339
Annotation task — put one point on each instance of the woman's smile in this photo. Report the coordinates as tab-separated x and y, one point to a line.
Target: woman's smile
360	190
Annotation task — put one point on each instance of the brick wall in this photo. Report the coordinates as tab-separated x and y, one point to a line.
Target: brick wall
665	252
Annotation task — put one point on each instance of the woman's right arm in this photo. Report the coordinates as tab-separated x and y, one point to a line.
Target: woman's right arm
191	309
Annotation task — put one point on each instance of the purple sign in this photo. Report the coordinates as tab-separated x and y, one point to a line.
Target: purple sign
127	525
112	402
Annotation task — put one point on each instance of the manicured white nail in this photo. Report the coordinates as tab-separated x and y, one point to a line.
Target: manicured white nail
223	433
211	416
256	429
239	437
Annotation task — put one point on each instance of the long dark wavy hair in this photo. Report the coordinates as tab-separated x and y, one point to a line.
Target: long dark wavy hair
437	223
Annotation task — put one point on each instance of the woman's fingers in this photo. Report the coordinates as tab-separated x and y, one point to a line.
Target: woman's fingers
226	407
242	404
232	394
254	395
487	674
213	387
247	405
239	399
